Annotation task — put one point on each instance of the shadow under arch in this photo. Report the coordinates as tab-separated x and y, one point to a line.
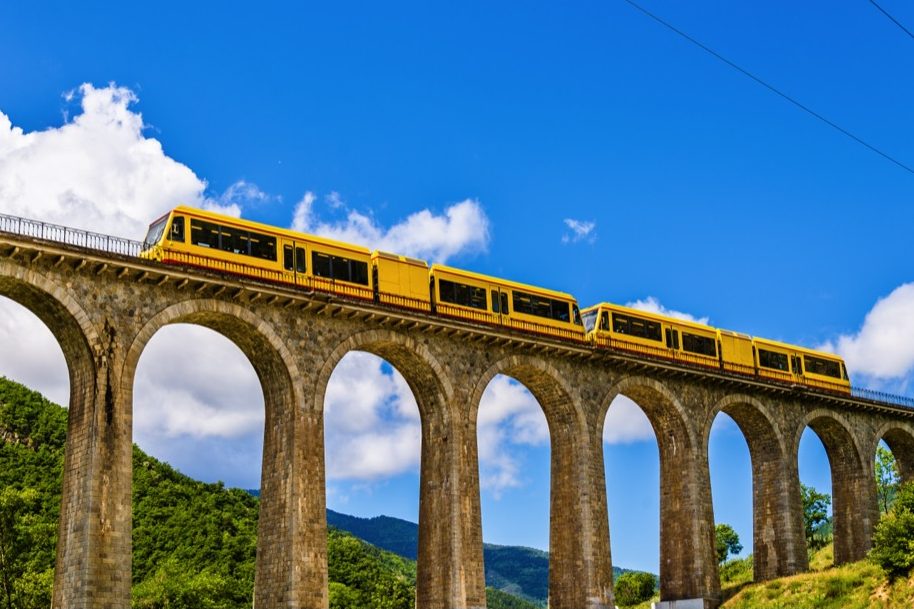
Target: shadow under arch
57	307
688	565
900	440
854	508
778	545
444	577
575	570
285	509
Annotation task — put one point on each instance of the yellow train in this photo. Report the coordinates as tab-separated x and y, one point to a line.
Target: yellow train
192	237
641	332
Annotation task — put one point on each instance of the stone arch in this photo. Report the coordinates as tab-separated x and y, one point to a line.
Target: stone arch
444	576
423	373
77	563
854	508
543	380
578	575
58	308
257	339
663	409
900	440
688	565
289	559
778	544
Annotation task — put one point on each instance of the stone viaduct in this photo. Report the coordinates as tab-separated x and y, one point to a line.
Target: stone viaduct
104	307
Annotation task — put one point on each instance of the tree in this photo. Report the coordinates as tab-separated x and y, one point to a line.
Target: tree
893	539
727	542
634	587
816	521
19	531
887	477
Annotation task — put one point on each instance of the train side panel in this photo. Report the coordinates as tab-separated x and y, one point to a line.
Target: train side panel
401	281
736	352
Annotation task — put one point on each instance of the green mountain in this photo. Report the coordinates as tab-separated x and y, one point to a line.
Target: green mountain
194	543
519	571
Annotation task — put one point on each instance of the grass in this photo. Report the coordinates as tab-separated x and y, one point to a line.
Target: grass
859	585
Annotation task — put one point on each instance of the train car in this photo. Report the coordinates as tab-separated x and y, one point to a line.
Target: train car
736	352
400	281
194	237
615	326
793	364
475	297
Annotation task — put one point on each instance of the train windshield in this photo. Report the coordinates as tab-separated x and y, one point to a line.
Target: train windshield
156	229
589	318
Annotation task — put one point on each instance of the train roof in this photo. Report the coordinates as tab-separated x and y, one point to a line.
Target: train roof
505	282
654	316
268	229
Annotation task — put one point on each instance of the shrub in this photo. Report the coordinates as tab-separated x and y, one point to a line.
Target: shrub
634	587
893	540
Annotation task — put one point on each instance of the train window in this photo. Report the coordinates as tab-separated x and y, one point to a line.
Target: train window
825	367
637	326
604	321
287	257
773	360
204	234
462	294
300	259
590	319
177	229
337	267
234	241
577	315
541	307
156	230
496	302
699	344
263	246
504	304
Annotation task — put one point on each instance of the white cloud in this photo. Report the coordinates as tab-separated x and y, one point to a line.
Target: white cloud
653	305
883	348
30	354
194	382
99	172
372	426
626	423
462	228
509	418
580	231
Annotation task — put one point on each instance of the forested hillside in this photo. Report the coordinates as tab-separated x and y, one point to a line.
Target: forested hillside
517	570
194	543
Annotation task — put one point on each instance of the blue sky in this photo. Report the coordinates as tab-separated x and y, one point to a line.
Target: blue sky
702	190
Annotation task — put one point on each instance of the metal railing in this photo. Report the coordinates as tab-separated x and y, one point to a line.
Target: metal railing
98	242
70	236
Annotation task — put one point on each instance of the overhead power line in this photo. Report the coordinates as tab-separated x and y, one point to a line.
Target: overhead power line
770	87
895	21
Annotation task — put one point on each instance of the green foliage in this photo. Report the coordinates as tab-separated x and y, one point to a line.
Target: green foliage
496	599
736	571
21	530
893	540
366	577
887	478
727	542
816	521
633	587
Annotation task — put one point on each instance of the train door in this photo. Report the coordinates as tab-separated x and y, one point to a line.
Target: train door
796	364
672	341
498	299
293	262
